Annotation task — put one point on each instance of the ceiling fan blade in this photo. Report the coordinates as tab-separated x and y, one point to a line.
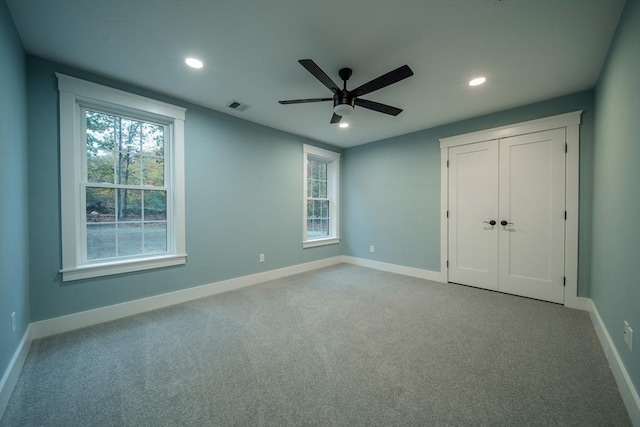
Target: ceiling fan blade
335	118
383	81
302	101
376	106
317	72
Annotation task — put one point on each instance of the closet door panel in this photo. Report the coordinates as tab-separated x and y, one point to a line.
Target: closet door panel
473	202
532	185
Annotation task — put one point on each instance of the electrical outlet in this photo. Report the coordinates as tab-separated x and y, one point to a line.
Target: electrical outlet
13	321
628	335
372	248
261	257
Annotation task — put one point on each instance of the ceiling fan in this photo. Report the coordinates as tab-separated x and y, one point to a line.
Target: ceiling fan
345	100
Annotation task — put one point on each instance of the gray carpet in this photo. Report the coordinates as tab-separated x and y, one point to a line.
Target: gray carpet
342	346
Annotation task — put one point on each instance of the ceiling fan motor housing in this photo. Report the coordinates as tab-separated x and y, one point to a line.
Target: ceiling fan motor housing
343	97
343	102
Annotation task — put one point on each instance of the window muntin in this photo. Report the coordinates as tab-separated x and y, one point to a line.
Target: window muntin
321	196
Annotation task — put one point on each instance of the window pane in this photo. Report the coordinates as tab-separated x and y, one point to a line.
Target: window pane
153	171
128	134
99	147
100	167
311	209
129	239
127	137
100	204
322	171
153	139
101	241
324	226
129	205
322	189
155	237
312	168
155	205
128	168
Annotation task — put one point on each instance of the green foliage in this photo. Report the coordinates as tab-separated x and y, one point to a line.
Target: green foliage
124	151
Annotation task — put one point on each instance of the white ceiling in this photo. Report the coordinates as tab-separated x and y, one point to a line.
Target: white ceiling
529	50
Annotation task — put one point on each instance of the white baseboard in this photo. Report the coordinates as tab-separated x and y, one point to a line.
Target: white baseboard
83	319
10	377
627	390
435	276
579	303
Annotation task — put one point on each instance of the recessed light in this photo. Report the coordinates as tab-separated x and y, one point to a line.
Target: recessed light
193	62
344	125
477	81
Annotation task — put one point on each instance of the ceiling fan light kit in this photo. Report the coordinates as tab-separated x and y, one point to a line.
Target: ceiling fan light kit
344	101
343	109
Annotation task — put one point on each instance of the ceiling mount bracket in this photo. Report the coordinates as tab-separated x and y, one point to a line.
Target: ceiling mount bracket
345	74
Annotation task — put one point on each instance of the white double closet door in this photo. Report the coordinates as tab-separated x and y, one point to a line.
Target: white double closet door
518	182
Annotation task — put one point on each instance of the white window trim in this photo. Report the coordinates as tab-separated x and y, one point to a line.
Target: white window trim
333	191
73	93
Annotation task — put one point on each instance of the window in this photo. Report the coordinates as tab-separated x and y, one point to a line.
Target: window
122	179
321	197
125	196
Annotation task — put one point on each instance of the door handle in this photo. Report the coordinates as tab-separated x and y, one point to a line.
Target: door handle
505	223
492	222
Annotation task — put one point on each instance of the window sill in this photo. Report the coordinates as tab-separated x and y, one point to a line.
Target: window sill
118	267
320	242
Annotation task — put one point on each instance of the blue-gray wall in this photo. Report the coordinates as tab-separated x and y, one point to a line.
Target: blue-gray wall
615	267
243	198
14	269
391	188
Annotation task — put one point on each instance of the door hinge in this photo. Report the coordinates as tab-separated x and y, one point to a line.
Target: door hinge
447	163
564	281
447	263
566	148
447	214
565	215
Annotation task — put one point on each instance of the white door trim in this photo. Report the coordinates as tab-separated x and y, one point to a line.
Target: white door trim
532	126
570	121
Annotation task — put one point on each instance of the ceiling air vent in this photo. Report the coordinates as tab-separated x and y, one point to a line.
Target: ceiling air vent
239	106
